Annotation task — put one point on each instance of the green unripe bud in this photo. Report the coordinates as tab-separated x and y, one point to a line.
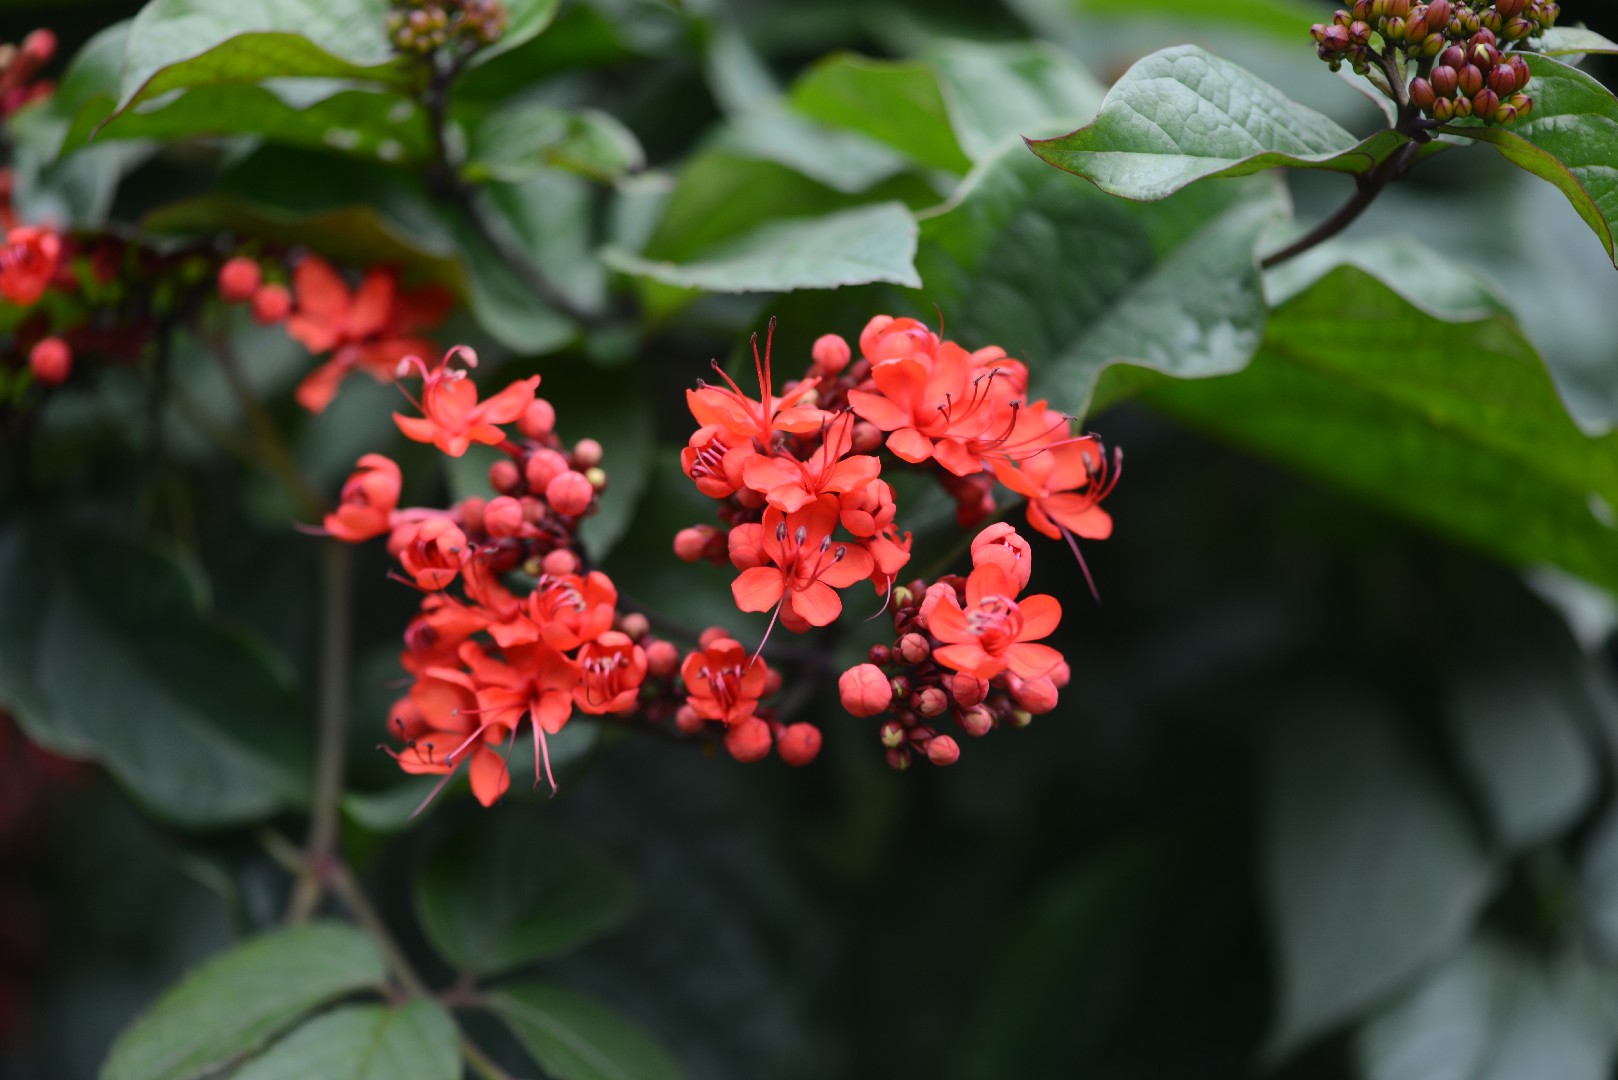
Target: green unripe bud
1443	110
1463	108
1394	29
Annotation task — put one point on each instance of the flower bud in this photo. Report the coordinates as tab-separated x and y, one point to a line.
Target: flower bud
900	686
712	636
51	361
635	625
569	493
502	517
749	740
892	734
1491	21
967	690
1510	8
1443	110
977	721
538	420
271	304
899	758
1445	81
239	279
1505	114
1502	80
597	477
1463	108
1471	80
1438	13
865	691
504	476
687	720
930	701
1037	696
691	544
1416	27
662	659
587	453
1394	29
1021	718
913	648
1519	68
1333	39
1379	9
880	655
1522	103
1434	44
1421	94
1359	33
1453	57
1485	104
1398	9
943	750
543	466
831	353
799	743
559	563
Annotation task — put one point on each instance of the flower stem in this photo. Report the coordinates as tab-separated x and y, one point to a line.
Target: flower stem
336	631
1370	184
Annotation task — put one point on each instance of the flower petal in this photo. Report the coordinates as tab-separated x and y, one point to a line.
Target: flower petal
1030	661
758	589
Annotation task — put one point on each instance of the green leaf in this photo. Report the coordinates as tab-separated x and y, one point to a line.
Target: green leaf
1182	115
845	161
1075	280
523	139
1567	140
416	1041
573	1037
1371	871
1024	88
505	890
176	44
1572	41
850	247
898	103
1491	1013
525	20
365	123
235	1002
187	715
1452	423
1283	19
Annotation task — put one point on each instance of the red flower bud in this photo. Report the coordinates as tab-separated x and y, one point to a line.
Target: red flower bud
504	476
543	466
1037	696
931	701
1510	8
1438	13
1453	57
51	361
1485	103
799	743
1471	80
1503	80
1519	68
1445	81
892	735
913	649
899	758
239	279
967	690
1421	94
691	544
977	721
662	658
586	454
538	420
831	352
687	720
503	517
749	740
1463	108
943	750
1398	9
635	625
865	690
880	655
569	494
867	438
272	304
1443	110
712	636
560	562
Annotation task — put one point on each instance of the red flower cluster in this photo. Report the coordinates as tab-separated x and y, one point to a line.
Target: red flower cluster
808	514
19	64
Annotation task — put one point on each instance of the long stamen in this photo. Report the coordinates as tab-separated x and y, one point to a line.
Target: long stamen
1074	544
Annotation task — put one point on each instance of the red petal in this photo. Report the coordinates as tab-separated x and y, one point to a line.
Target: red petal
947	622
758	589
490	779
1040	616
878	410
911	445
818	604
970	658
1030	661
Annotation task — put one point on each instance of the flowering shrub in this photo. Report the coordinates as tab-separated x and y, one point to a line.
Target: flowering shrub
1314	794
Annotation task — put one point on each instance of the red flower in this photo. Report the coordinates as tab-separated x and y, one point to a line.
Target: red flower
28	263
722	683
611	670
369	499
453	418
791	560
995	631
371	328
1064	486
432	551
736	412
789	484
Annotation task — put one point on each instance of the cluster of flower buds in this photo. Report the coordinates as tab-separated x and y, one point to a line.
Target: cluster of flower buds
806	513
19	64
1465	39
424	26
241	281
1475	79
966	649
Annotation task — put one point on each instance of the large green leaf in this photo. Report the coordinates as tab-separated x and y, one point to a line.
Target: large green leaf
416	1041
526	138
189	716
849	247
1492	1013
1452	423
1371	871
1183	115
235	1002
505	890
577	1038
175	44
1075	280
997	91
895	102
1283	19
1568	140
1572	41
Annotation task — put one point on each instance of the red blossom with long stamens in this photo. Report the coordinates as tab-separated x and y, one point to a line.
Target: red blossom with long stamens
792	560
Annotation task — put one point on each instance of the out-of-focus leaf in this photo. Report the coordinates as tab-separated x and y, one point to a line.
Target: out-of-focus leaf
1075	280
416	1041
843	160
174	44
521	140
1491	1013
1572	41
997	91
1442	286
895	102
577	1038
190	717
1371	870
506	890
1183	115
235	1002
1452	423
850	247
1566	140
525	20
1278	18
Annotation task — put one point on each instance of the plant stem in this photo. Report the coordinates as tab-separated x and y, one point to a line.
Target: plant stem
1370	186
348	890
336	631
482	1063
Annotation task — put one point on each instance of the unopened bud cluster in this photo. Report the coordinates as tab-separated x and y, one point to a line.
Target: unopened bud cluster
423	26
1464	42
